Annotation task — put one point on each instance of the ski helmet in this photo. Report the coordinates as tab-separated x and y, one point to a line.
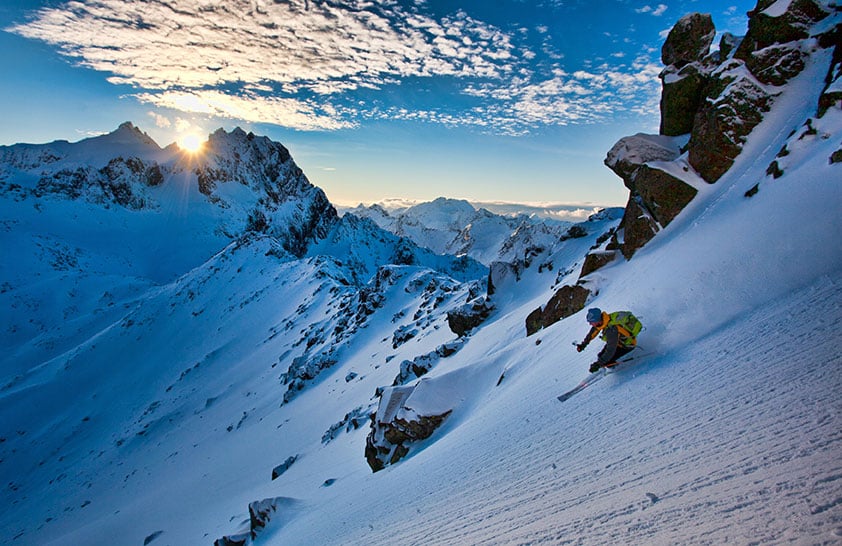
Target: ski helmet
594	315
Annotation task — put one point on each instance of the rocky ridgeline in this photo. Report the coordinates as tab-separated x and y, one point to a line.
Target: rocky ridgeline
710	103
288	206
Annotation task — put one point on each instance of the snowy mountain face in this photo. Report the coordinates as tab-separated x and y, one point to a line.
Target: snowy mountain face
452	226
177	374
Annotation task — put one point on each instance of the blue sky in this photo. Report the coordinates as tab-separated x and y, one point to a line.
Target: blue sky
495	100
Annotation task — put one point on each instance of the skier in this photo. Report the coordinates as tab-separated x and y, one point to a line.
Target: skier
619	331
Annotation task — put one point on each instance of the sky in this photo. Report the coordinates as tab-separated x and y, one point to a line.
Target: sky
488	100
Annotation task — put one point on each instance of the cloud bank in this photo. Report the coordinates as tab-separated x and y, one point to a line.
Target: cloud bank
305	64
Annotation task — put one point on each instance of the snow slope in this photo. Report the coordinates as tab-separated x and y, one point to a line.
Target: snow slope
728	432
159	417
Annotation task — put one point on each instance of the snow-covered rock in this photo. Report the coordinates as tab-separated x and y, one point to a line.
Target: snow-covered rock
406	415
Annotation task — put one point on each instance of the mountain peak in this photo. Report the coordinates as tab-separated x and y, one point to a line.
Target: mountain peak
127	134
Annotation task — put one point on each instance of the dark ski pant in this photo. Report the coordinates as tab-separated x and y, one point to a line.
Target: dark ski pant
619	353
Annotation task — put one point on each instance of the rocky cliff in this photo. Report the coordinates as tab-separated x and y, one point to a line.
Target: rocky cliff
711	102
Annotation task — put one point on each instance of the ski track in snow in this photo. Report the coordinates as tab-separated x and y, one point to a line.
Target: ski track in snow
729	463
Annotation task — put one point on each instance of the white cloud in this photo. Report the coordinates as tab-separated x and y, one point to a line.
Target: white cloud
160	121
293	113
245	48
656	11
182	125
585	96
297	63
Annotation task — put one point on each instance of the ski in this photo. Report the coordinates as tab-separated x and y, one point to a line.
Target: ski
589	380
596	376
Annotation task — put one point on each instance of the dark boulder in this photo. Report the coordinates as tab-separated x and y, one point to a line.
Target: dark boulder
766	28
567	301
597	260
663	195
689	40
467	317
735	106
638	227
682	95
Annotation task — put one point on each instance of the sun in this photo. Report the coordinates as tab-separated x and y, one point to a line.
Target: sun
190	143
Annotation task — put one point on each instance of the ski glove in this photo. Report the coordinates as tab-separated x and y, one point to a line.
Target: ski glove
595	367
581	347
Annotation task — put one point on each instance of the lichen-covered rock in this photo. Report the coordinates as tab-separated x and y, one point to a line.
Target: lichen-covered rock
776	64
767	25
663	195
637	228
680	99
567	301
735	106
689	40
597	260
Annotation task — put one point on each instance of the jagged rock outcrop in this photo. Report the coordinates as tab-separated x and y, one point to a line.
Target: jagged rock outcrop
710	104
663	194
656	196
422	364
768	26
741	89
832	94
689	40
470	315
500	273
260	514
638	228
713	101
683	78
734	106
567	301
597	259
283	467
405	415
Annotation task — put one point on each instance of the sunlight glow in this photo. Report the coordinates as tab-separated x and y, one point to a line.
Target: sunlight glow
191	143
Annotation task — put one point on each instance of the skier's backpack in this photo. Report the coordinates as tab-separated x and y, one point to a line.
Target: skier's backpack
628	325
